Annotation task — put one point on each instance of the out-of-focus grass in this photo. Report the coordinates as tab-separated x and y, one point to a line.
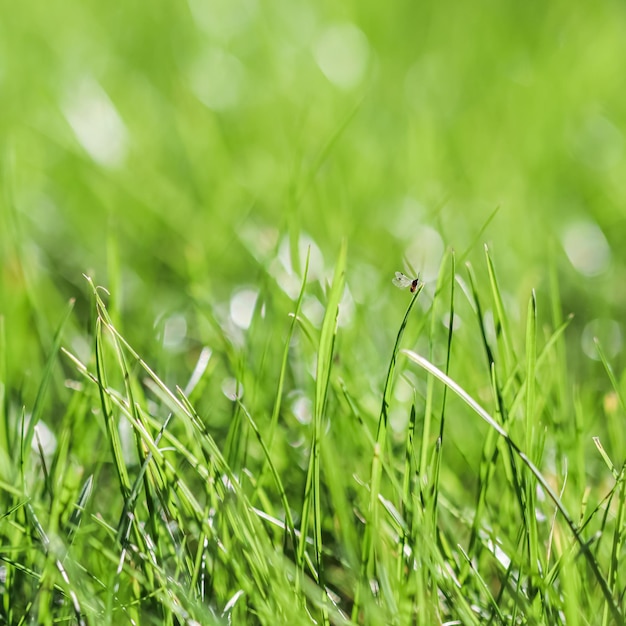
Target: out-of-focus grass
187	155
441	114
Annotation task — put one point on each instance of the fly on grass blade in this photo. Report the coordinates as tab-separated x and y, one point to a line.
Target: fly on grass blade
402	281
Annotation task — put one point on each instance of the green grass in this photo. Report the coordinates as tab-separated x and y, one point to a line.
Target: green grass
215	408
165	521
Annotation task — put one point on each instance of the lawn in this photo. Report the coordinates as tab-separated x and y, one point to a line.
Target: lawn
215	405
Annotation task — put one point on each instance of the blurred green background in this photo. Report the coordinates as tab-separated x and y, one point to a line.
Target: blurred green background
179	152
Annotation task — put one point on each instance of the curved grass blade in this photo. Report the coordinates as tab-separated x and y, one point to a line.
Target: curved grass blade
107	412
614	608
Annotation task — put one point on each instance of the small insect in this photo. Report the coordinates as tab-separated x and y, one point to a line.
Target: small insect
403	282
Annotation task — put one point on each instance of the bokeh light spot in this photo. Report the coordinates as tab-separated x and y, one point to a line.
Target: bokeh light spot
341	52
223	19
175	331
96	123
302	408
425	252
313	310
609	335
599	144
586	248
284	269
242	306
232	389
217	79
45	438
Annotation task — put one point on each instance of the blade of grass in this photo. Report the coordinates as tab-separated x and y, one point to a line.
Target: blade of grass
501	319
556	310
407	501
367	548
5	430
531	361
439	445
324	364
285	358
45	380
107	411
428	409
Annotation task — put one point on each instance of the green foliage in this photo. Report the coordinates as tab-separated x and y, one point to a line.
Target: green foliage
215	407
168	527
